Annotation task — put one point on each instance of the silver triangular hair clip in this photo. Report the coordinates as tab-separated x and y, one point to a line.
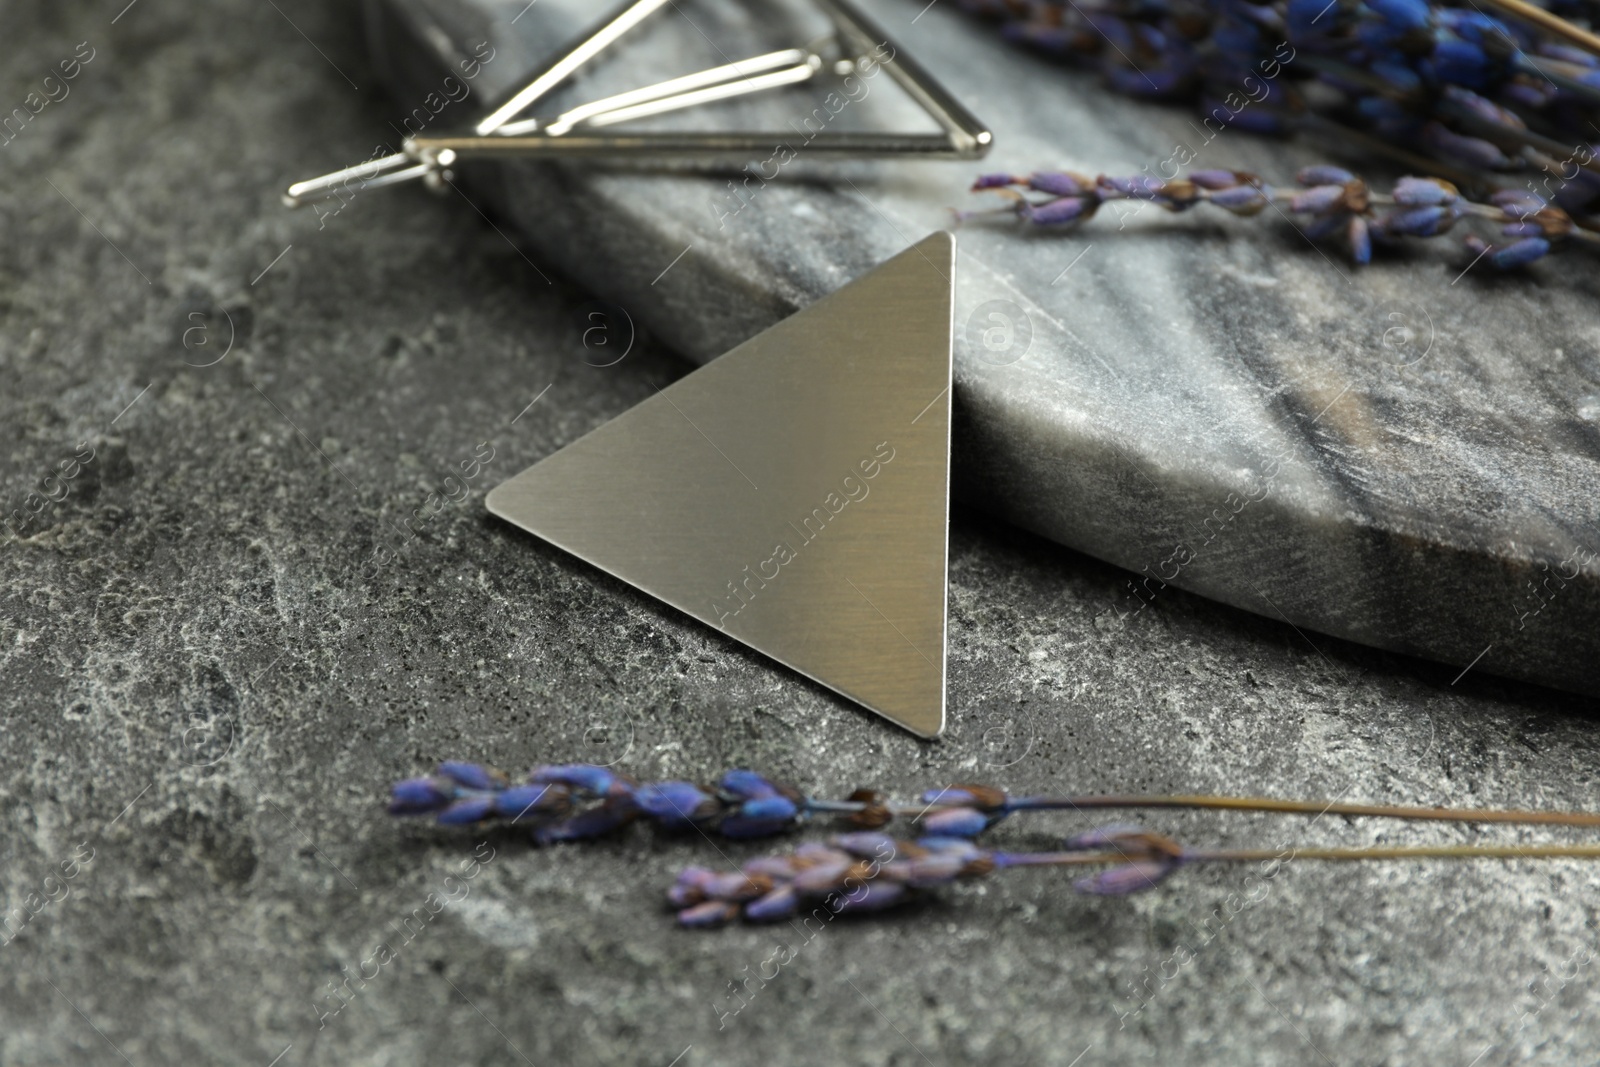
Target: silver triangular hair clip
793	493
858	44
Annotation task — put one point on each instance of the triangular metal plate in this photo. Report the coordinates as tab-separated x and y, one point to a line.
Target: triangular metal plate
793	493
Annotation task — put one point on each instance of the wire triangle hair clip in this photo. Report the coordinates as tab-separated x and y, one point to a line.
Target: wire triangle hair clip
858	46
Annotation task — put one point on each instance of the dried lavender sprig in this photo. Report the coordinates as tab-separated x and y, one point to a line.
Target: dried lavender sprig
1332	200
1419	73
871	872
581	801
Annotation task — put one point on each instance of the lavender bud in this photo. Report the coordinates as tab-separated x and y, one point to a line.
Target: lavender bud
1241	200
1061	211
1420	221
1401	14
1518	202
817	852
1360	240
969	794
582	776
823	878
781	903
1566	53
711	913
1125	879
778	868
1417	192
760	817
615	813
1522	229
746	785
1459	63
955	822
1323	175
467	810
419	796
1473	151
930	871
1214	179
736	885
959	846
522	800
875	896
1484	109
690	888
1520	253
866	844
1137	187
996	181
675	804
473	775
1317	200
1060	183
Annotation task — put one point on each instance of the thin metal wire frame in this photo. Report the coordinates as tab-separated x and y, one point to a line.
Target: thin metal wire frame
407	166
733	146
786	67
773	69
621	21
963	136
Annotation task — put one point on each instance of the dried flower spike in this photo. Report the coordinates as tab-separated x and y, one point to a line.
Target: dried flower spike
1330	202
870	872
574	802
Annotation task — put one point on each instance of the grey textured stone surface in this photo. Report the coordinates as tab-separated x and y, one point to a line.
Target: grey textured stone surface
1402	455
198	684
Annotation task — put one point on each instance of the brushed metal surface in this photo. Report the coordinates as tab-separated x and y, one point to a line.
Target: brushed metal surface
794	493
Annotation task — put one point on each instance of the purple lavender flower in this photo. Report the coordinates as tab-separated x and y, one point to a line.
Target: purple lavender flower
521	800
1059	183
1425	221
963	810
1129	878
1137	187
1516	254
1527	228
995	181
1319	175
1359	233
610	815
1334	204
869	872
467	810
1420	192
420	796
676	805
1518	201
852	873
474	775
747	785
1064	210
585	777
1317	200
956	822
761	817
1221	179
1243	199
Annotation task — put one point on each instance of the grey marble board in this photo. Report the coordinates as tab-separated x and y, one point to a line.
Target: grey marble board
1404	455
